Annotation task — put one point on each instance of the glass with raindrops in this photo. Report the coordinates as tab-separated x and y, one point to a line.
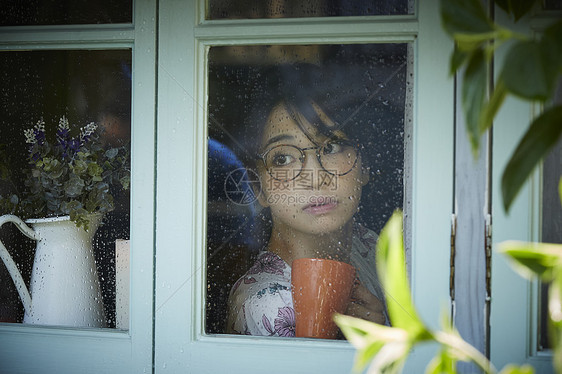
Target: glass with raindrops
248	9
65	129
65	12
308	149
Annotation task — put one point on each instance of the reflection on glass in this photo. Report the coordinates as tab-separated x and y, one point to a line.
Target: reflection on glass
247	9
65	12
306	160
65	123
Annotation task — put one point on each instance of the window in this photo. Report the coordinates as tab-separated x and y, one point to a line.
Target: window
363	88
85	87
104	74
179	286
187	101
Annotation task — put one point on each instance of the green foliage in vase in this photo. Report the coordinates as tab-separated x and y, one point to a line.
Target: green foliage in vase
72	175
531	70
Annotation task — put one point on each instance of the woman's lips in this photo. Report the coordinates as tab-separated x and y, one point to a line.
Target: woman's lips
322	208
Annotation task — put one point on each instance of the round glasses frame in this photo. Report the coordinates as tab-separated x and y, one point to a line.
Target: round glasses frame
302	157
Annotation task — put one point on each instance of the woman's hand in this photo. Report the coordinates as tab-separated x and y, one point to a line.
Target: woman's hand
366	306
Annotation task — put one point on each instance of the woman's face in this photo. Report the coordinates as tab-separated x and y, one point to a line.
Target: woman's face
316	202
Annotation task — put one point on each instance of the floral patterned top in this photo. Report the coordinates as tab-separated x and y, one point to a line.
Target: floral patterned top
261	303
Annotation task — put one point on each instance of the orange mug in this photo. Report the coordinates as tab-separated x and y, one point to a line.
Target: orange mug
320	288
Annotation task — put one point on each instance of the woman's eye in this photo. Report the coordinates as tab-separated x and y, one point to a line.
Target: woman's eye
332	148
282	160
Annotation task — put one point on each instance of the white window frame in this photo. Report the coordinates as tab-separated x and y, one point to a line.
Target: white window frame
34	349
169	41
180	344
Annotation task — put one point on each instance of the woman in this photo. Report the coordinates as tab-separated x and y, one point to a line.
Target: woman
312	174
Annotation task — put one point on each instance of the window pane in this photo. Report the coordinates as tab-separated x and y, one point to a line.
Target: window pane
306	159
52	167
246	9
65	12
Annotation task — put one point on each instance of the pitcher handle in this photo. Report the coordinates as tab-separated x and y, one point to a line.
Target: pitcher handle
9	262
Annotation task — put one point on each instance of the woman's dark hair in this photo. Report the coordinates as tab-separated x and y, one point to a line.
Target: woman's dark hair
299	86
361	88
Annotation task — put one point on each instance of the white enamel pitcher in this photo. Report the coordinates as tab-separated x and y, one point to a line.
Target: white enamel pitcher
64	288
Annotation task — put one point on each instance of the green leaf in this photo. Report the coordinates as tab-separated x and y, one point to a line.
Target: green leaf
102	187
555	318
368	338
521	7
442	363
465	17
541	136
491	107
552	36
504	4
74	186
390	359
111	153
533	259
512	369
391	267
367	354
125	182
57	172
473	42
474	90
518	8
458	58
94	170
79	167
531	68
458	349
555	299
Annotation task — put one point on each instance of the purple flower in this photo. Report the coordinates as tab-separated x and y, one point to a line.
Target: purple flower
62	134
267	324
74	145
39	136
268	263
285	322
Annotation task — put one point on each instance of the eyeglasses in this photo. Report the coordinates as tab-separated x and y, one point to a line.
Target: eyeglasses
284	162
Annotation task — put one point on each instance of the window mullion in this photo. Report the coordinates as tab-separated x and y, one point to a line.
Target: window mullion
57	37
315	30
